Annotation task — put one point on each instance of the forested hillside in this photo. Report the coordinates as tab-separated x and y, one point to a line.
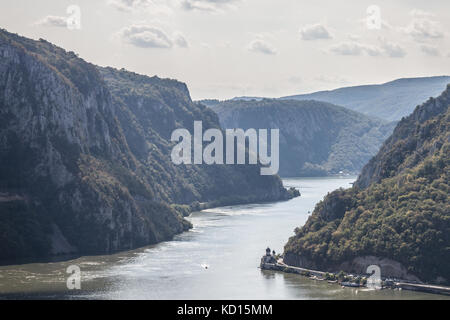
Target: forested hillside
397	214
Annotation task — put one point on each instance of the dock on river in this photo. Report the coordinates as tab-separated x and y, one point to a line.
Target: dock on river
279	265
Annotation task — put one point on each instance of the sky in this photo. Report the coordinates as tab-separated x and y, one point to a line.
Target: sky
227	48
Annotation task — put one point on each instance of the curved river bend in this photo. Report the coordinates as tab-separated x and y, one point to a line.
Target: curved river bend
229	241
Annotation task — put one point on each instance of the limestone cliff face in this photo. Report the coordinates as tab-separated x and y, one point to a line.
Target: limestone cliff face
82	168
62	147
316	138
149	109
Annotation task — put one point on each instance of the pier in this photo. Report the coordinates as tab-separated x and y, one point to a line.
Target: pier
281	266
429	288
269	263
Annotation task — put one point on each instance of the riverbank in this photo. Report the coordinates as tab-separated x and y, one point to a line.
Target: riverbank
354	281
227	239
184	210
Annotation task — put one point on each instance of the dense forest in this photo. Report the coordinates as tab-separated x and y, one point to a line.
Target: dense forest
398	209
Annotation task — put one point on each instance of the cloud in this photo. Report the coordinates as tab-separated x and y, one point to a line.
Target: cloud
393	50
417	13
53	21
207	5
156	7
145	36
180	40
347	48
125	5
315	32
261	46
423	26
430	50
354	48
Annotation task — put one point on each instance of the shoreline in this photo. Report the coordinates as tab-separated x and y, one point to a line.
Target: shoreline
321	276
184	210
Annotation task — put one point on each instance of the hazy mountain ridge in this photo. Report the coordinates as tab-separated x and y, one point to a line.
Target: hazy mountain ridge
83	156
398	211
316	138
391	101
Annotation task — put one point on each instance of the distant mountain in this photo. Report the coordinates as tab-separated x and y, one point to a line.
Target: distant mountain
390	101
245	98
211	103
397	215
316	138
85	156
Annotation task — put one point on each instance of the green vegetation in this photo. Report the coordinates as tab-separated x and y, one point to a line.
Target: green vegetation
316	138
398	209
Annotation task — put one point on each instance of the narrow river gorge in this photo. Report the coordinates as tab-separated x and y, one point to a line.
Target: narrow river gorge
217	259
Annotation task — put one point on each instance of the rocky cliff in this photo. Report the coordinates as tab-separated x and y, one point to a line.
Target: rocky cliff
85	156
316	138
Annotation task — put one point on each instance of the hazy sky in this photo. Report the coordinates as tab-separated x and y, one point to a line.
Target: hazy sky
227	48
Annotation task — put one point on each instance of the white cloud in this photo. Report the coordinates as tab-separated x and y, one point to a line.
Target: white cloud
430	50
145	36
372	50
155	7
423	26
180	40
417	13
384	25
149	36
315	32
348	48
53	21
354	48
393	50
261	46
207	5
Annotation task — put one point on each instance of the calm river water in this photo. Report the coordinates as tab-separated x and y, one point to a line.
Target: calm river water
229	241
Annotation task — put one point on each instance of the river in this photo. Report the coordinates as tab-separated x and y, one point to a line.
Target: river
217	259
